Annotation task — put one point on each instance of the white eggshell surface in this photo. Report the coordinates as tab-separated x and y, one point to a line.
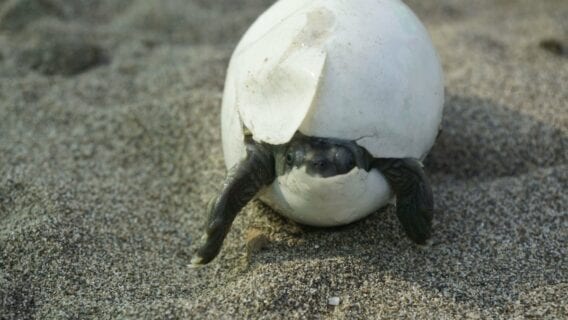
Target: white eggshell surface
330	201
361	70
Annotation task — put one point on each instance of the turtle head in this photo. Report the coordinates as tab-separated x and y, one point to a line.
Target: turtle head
321	157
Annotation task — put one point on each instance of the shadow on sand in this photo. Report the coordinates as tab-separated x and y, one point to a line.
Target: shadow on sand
481	248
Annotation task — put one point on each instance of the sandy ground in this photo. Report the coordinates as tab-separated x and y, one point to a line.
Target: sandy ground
110	150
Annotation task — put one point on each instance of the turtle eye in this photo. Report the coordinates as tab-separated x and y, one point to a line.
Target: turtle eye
290	158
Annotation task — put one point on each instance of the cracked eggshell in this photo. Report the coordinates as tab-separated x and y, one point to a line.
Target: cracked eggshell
362	70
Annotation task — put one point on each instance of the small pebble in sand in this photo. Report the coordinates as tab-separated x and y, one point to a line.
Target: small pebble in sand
554	46
255	240
333	301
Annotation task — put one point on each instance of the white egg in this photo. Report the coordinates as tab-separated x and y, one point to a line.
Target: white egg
360	70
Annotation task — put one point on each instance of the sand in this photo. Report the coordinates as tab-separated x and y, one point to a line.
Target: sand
110	150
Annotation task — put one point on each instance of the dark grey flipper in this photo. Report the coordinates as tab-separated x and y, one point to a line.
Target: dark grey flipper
414	203
242	184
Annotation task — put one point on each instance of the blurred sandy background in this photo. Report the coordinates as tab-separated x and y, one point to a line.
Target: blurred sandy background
110	150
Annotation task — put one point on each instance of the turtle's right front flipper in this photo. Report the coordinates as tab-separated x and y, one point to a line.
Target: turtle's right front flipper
242	184
414	203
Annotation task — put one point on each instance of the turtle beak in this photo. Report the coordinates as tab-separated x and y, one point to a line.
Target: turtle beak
319	165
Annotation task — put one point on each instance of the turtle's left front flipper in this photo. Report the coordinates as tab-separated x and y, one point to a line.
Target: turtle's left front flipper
242	184
414	202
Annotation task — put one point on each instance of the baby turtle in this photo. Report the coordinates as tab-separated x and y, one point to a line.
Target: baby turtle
328	110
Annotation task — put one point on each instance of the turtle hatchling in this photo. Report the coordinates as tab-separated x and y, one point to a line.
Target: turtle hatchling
328	110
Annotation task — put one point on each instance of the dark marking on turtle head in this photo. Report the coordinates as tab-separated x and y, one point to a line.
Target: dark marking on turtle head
322	157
